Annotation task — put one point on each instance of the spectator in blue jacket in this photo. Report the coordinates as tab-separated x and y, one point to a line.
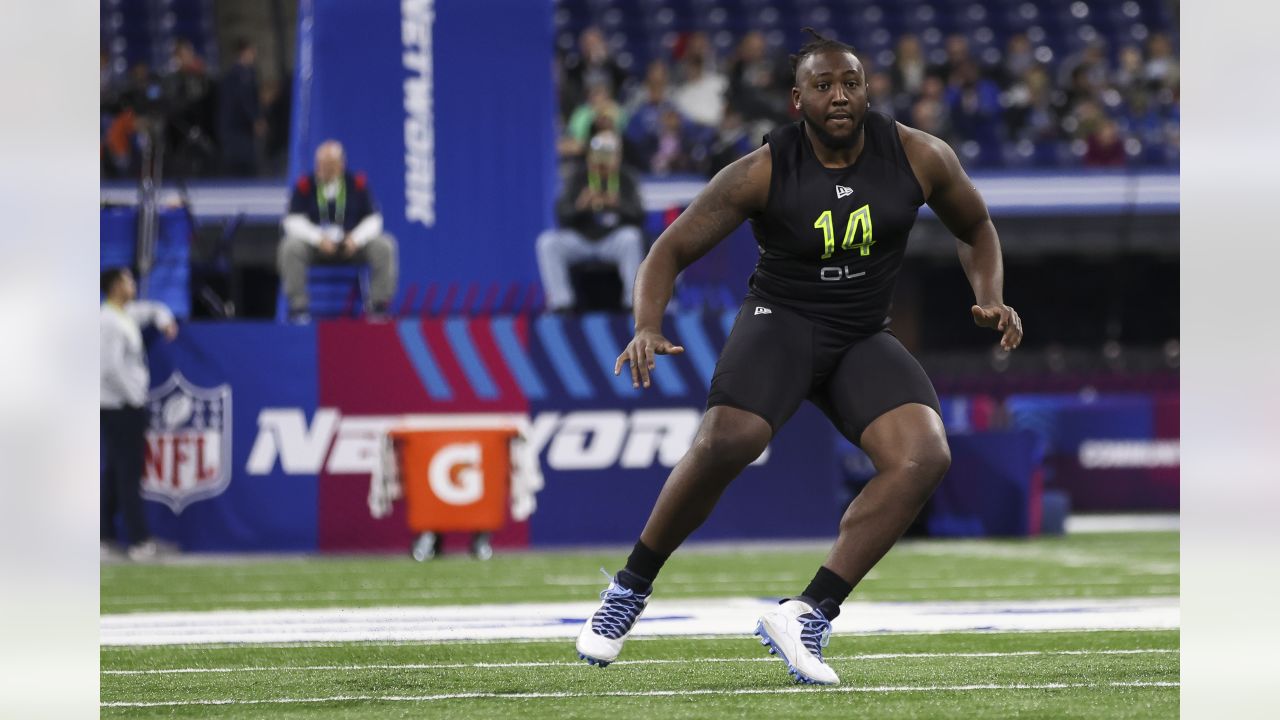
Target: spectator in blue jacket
333	218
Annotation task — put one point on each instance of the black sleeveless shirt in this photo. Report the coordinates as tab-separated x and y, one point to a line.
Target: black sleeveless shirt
832	240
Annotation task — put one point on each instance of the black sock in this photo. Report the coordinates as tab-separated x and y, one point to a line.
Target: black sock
826	585
642	568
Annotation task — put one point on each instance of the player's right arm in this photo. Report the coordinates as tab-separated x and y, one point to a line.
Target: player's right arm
734	194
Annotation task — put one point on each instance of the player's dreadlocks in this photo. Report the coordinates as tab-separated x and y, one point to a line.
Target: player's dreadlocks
817	45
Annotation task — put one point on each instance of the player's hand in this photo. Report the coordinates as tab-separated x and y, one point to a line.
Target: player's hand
640	352
328	247
170	331
348	247
1002	318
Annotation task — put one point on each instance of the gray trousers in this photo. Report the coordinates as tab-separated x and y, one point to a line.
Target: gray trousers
296	255
558	248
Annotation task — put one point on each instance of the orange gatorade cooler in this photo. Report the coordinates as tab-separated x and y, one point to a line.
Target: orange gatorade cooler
454	480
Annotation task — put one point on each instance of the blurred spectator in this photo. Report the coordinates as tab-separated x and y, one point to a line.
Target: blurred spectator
1105	146
1018	58
732	141
1162	66
1084	119
1030	116
600	217
189	114
1085	73
699	95
333	218
695	48
930	112
759	83
126	121
644	110
957	54
653	93
108	83
240	121
975	113
883	98
669	150
123	419
1130	70
119	144
1080	88
1145	123
276	106
591	66
909	66
599	112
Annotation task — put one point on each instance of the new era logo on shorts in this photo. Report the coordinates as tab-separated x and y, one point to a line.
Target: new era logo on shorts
763	311
842	191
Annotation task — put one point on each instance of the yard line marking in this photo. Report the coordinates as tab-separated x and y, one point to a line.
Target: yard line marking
1170	522
654	661
668	617
529	641
425	589
641	693
122	604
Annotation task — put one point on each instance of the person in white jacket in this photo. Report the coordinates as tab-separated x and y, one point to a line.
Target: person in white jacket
123	408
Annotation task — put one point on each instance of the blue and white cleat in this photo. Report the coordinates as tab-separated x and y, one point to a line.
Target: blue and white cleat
797	632
604	632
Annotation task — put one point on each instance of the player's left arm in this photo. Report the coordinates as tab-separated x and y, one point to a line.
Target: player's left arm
950	193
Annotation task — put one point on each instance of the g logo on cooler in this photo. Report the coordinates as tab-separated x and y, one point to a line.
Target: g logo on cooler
464	487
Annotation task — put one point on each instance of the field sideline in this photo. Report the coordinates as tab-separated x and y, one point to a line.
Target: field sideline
983	660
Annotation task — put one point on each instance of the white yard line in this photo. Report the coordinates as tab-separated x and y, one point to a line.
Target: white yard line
411	592
532	641
641	693
680	661
1162	522
664	617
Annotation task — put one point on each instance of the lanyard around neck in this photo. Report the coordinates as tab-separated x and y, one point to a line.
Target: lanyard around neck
593	180
340	209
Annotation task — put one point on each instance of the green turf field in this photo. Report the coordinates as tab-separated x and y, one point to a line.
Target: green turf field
1114	674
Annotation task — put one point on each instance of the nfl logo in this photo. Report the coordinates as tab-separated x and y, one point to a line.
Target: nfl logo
188	443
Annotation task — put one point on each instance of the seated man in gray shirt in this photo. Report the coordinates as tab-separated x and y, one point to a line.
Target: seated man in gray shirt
601	216
123	407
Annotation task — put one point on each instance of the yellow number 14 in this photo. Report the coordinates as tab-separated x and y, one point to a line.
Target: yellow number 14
859	219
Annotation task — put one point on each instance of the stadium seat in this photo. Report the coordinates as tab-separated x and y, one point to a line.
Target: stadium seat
336	291
117	230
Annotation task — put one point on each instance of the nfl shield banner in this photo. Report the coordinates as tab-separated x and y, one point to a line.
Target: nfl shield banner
188	443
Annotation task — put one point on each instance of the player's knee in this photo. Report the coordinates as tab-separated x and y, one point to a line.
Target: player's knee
730	446
929	462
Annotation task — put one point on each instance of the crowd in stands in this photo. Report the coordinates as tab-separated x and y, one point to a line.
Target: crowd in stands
206	124
693	112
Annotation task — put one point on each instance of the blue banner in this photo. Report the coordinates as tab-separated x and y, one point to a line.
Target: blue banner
210	387
449	109
264	436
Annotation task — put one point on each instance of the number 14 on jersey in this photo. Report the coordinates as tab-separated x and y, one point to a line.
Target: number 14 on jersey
859	220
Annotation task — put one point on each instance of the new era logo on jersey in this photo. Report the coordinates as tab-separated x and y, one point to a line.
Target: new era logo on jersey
763	311
843	192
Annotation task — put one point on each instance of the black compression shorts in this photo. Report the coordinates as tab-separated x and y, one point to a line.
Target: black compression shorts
774	359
